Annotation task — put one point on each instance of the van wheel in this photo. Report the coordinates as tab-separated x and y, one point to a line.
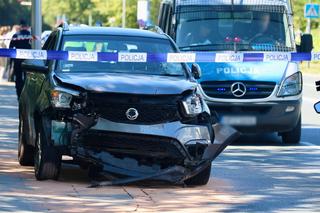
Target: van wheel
200	179
47	159
292	137
25	151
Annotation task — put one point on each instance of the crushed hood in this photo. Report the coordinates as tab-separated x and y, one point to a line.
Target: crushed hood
127	83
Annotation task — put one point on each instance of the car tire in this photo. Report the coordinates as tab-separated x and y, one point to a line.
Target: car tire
293	137
200	179
47	159
25	151
94	172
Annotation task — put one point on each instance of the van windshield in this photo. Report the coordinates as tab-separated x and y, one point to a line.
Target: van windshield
238	28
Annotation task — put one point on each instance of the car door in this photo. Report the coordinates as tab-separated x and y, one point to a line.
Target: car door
40	77
34	83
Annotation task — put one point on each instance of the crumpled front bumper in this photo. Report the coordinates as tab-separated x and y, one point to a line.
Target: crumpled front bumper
179	135
184	133
167	143
225	135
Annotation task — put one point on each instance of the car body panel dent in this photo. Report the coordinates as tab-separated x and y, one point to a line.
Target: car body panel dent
122	83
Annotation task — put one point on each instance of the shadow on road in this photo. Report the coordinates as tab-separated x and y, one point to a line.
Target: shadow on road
310	134
256	173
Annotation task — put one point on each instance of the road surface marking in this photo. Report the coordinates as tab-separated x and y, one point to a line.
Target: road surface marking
309	85
307	143
313	100
310	127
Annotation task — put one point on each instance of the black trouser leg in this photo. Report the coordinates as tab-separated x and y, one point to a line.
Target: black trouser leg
19	77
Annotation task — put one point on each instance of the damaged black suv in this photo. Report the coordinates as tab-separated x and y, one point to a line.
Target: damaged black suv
135	120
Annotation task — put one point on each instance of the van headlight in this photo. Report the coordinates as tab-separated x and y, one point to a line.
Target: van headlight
192	105
60	99
292	85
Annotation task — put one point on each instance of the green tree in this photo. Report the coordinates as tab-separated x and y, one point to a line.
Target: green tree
11	12
109	12
76	11
154	10
299	20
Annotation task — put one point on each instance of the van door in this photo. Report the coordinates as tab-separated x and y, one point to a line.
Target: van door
165	17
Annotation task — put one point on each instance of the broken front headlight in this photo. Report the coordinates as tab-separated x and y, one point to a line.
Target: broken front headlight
60	99
192	105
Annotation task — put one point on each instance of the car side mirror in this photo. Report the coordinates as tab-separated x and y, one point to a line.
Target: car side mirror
306	44
196	71
38	66
317	107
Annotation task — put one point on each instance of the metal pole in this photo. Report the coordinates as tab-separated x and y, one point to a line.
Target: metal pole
308	28
90	19
123	13
36	25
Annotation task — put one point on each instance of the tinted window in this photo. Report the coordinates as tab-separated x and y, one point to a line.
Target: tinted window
120	44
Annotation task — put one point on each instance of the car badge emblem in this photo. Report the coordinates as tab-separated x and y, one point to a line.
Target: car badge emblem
132	114
238	89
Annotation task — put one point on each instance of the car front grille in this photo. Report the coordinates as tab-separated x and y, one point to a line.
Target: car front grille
134	145
151	109
222	89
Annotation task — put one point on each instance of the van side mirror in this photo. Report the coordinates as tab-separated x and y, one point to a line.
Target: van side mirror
38	66
317	107
196	71
153	28
306	45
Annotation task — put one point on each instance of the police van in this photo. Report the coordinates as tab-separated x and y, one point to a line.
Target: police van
252	96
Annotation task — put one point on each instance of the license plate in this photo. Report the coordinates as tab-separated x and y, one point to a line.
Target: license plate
239	120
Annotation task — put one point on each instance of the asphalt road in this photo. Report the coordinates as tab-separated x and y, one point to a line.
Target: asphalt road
255	174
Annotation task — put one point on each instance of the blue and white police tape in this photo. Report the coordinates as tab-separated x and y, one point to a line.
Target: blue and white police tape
21	37
188	57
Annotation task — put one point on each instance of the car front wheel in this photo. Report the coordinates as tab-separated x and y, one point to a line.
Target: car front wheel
47	159
293	137
25	151
200	179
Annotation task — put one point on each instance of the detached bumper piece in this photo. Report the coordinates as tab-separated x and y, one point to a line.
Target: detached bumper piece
137	157
133	157
176	172
173	174
147	147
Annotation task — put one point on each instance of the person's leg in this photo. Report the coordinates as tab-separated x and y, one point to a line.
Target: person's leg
6	69
19	78
11	70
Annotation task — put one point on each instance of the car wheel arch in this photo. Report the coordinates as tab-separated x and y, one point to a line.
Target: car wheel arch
23	115
35	127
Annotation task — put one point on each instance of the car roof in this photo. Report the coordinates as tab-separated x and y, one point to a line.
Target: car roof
114	31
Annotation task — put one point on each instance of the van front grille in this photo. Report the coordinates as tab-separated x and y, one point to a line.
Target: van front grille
222	89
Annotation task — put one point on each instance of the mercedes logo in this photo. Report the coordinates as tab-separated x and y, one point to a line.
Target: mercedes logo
238	89
132	114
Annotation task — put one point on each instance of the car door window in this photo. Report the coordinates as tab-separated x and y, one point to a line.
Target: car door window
50	43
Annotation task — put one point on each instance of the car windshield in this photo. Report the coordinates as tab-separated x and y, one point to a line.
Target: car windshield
120	44
238	28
